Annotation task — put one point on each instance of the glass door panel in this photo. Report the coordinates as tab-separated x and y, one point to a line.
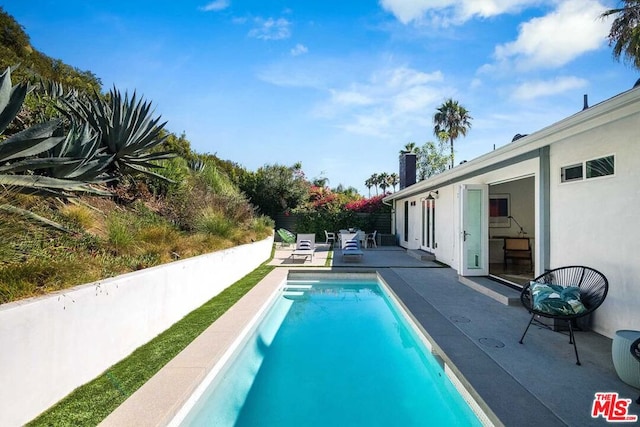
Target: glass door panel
474	230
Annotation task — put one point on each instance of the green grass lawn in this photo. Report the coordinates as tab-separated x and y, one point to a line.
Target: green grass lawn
91	403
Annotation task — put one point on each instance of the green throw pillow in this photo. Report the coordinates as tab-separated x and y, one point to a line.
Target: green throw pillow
556	299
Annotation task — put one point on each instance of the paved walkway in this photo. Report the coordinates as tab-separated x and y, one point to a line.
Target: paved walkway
531	384
380	257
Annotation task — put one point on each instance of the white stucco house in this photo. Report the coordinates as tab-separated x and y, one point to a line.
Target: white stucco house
572	188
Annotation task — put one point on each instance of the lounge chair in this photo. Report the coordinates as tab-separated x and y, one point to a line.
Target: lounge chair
286	236
351	245
554	295
305	246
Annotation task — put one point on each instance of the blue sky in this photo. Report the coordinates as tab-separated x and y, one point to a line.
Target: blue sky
340	86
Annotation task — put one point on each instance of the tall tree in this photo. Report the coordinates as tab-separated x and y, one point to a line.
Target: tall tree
409	147
393	180
382	181
450	121
431	160
375	180
275	188
625	32
368	183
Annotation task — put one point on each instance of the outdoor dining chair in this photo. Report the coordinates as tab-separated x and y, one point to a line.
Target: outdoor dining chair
565	293
330	236
371	240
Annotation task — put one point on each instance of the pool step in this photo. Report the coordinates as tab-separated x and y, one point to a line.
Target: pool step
492	289
297	287
421	255
294	295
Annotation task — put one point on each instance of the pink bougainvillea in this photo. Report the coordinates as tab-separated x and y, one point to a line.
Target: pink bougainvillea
373	204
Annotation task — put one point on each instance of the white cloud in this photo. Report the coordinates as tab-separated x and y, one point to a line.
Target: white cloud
406	11
557	38
271	29
452	11
389	100
299	49
290	74
488	8
215	6
540	88
350	98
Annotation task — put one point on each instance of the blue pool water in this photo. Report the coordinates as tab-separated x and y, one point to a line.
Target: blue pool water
336	353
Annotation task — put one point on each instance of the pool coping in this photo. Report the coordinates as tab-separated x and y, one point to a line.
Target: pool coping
477	372
158	401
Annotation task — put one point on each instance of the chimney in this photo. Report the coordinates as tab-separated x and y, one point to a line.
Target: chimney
407	169
585	102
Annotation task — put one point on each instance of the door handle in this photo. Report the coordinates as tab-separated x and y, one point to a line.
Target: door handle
464	235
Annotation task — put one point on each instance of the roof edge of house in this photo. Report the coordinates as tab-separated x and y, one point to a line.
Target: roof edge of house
527	143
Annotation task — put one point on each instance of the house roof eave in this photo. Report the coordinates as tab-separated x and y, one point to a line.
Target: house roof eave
578	122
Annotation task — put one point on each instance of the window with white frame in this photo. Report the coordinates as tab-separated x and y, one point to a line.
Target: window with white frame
593	168
571	173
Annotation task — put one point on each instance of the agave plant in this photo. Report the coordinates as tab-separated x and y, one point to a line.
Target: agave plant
11	99
88	160
126	129
22	167
196	165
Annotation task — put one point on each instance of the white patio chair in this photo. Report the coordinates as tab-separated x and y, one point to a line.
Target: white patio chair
330	236
305	246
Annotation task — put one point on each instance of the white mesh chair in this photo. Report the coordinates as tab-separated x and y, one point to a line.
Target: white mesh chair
351	246
305	246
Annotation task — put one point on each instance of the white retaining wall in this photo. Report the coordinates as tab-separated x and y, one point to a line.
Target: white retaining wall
51	345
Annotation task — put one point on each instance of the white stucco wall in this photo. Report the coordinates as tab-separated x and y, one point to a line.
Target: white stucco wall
50	345
448	209
594	222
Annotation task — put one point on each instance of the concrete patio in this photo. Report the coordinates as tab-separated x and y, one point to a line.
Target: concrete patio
474	327
380	257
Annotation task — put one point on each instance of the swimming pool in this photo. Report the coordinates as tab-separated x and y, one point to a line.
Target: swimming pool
330	352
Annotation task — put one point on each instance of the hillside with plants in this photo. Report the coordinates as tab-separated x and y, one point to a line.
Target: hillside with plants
92	185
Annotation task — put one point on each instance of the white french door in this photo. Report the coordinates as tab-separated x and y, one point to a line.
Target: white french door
474	229
428	241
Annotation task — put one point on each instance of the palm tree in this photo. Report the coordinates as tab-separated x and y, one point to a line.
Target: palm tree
450	121
409	147
375	180
382	181
368	183
393	180
625	33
